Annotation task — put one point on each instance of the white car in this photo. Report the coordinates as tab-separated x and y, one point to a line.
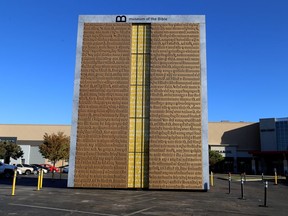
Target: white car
37	167
25	170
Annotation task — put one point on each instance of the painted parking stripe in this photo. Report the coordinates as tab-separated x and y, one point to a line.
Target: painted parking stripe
140	201
142	210
60	209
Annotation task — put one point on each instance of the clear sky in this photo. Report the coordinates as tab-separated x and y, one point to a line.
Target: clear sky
247	55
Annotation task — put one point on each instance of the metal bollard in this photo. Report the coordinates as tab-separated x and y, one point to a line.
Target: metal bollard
229	182
242	188
211	179
14	182
265	194
39	180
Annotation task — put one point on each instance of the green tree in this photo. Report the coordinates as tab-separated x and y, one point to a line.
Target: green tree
55	147
10	150
214	158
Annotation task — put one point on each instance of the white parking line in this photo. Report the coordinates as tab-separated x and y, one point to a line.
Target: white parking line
142	201
145	194
133	213
60	209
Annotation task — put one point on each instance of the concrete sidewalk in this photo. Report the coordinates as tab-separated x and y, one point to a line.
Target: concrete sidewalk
54	199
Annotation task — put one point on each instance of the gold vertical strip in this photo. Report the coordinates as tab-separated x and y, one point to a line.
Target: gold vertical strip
139	107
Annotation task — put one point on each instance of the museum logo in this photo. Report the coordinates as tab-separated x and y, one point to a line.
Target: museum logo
121	18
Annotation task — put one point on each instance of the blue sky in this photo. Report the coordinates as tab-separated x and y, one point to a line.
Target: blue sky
247	55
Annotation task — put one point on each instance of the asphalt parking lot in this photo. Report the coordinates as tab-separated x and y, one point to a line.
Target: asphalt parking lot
55	199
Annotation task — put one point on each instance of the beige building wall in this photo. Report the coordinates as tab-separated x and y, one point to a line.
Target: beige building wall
30	136
33	132
243	134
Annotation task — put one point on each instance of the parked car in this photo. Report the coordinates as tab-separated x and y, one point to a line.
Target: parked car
38	167
25	169
34	168
64	169
8	170
50	167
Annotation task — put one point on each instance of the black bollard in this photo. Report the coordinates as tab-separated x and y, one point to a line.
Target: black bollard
242	188
265	194
229	182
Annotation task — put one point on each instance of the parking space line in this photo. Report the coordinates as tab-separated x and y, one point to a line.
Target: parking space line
145	194
142	201
60	209
142	210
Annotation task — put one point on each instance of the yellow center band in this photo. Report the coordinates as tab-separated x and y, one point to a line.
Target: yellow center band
139	107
